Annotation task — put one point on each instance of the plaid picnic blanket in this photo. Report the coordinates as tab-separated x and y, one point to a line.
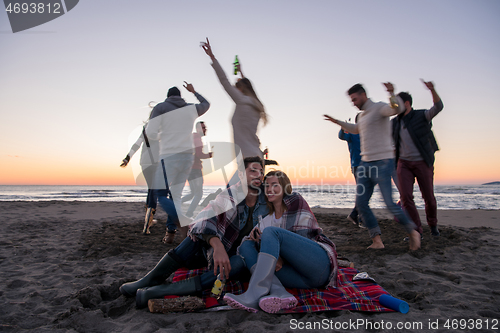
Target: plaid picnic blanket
349	295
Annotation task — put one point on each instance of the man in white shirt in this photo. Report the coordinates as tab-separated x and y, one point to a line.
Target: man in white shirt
172	123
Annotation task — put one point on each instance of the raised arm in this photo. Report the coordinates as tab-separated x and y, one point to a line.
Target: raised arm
396	106
430	86
351	128
201	107
234	93
438	103
238	67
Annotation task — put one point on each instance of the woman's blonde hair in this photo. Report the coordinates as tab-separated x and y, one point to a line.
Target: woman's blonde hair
285	183
246	86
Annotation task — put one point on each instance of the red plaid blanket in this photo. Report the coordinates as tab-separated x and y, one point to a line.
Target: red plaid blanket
349	295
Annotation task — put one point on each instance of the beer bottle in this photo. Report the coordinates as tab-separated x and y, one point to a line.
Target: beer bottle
218	288
236	63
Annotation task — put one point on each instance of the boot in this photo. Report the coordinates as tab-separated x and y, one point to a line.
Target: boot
278	299
259	285
435	231
166	266
169	236
189	286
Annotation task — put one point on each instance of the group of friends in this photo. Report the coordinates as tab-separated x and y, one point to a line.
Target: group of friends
259	225
402	149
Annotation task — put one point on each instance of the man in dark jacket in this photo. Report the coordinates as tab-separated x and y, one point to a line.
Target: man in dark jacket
415	147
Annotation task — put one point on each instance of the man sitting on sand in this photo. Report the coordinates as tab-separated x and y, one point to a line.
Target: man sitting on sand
377	160
218	229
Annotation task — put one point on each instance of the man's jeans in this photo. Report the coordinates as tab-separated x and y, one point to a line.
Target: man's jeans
306	263
151	199
407	172
188	250
177	168
370	174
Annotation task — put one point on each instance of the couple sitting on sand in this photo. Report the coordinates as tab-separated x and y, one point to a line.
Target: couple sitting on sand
264	227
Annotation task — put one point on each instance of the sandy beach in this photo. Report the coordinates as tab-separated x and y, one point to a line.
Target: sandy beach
62	263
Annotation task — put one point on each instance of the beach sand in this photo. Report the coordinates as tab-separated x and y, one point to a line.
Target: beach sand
61	264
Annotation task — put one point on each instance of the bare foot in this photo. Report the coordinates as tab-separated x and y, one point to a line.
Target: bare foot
414	240
377	243
376	246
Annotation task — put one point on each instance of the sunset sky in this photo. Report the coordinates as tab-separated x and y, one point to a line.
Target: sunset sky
73	90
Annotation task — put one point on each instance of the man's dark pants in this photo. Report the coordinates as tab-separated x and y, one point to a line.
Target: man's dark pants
191	254
407	172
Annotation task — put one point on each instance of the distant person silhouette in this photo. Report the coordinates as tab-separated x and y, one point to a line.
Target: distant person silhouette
195	178
149	163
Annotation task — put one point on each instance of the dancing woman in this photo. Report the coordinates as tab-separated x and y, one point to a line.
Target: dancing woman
248	111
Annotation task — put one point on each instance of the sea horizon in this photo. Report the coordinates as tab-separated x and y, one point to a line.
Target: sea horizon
318	196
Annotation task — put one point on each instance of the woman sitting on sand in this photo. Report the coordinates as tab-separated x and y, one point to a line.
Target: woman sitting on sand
293	251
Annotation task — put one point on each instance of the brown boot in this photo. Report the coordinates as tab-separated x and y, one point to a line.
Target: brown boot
169	237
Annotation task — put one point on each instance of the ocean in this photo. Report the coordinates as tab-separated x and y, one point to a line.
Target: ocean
338	196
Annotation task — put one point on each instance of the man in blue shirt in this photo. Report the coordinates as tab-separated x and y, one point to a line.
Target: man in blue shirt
353	144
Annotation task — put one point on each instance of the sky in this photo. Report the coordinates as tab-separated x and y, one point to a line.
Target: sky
73	90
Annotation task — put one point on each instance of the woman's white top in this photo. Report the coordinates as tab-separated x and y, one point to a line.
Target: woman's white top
270	221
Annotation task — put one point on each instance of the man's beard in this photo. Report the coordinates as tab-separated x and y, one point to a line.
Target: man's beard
252	187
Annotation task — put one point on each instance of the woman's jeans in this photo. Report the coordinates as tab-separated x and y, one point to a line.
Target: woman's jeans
305	263
370	174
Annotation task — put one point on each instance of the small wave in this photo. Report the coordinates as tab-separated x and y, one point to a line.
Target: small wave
98	191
